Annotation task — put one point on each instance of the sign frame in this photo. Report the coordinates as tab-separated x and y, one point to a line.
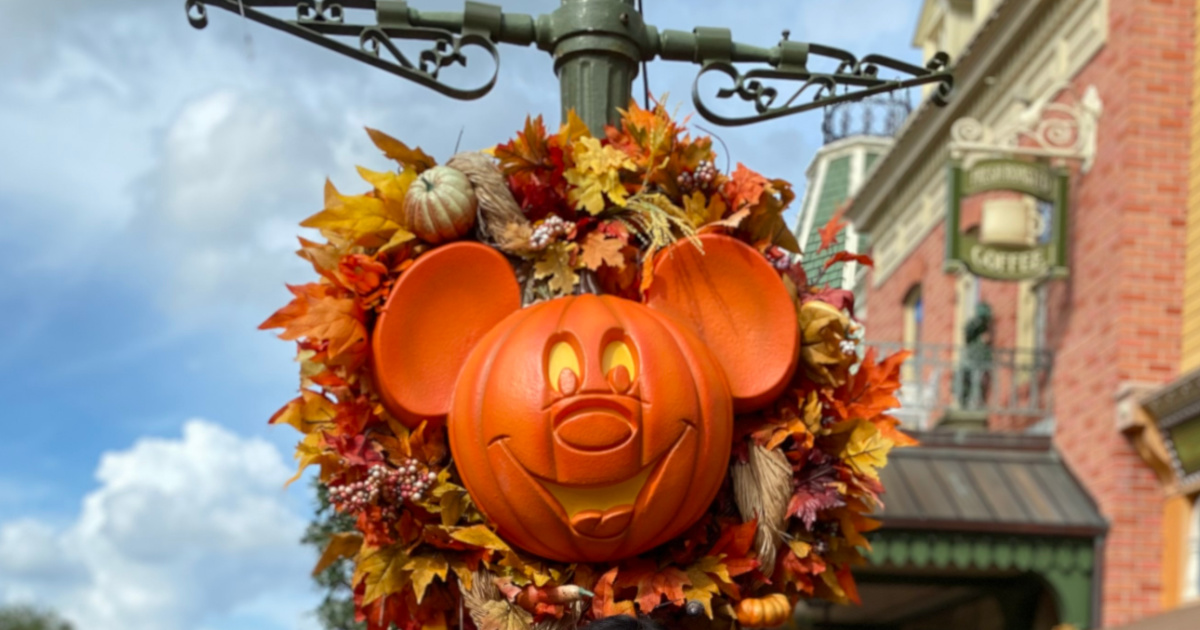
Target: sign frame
965	253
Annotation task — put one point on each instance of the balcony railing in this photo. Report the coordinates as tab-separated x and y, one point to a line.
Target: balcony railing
942	382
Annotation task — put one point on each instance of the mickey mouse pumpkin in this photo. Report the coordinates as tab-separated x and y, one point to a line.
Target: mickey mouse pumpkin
588	428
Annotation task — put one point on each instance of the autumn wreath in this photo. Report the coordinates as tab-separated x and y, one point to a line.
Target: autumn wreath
573	214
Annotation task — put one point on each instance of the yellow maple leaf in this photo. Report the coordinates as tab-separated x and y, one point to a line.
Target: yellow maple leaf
866	450
572	130
702	211
599	249
308	367
341	545
391	187
424	569
501	615
701	585
555	263
415	160
800	548
313	450
597	173
479	536
399	237
359	219
529	570
307	413
383	570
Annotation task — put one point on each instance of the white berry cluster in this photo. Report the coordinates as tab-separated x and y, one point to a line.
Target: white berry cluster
704	175
780	258
408	482
553	227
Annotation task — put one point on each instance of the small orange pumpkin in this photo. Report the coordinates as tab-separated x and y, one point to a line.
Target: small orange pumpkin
440	205
764	612
587	428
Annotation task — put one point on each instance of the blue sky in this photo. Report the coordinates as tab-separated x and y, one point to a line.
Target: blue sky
151	178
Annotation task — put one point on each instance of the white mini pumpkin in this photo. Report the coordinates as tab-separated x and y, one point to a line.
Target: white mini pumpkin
440	205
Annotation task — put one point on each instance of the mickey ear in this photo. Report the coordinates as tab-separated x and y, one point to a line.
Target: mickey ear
438	310
738	305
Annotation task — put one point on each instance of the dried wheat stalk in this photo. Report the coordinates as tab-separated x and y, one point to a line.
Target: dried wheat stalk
762	487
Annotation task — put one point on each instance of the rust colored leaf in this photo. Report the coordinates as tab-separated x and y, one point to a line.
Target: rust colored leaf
831	229
845	256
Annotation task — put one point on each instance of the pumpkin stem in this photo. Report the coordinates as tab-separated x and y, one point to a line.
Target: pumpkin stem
428	184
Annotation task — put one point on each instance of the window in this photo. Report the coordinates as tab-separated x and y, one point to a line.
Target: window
914	314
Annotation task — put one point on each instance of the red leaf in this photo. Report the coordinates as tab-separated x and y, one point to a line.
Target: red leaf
845	256
832	228
846	581
735	540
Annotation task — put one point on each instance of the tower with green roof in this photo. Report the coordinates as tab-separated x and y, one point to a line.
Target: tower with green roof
856	135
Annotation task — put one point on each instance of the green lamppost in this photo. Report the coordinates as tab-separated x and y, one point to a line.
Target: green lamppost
597	46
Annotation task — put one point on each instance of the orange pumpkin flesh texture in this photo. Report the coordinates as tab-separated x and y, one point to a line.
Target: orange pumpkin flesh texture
587	428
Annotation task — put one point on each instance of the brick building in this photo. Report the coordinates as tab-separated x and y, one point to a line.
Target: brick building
1095	364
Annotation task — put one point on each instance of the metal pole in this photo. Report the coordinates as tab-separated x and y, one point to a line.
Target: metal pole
597	47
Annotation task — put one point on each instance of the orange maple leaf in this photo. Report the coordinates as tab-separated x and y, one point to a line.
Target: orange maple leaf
317	312
604	602
652	583
872	389
599	249
745	188
831	229
528	151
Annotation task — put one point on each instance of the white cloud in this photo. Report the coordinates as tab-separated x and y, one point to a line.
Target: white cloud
181	534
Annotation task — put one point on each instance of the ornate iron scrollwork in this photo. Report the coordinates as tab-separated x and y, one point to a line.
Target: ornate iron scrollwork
850	73
321	21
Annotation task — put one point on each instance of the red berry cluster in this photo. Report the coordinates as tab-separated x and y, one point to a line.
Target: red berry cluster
699	179
408	482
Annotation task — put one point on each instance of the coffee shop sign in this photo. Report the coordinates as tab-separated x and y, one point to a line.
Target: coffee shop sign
1021	233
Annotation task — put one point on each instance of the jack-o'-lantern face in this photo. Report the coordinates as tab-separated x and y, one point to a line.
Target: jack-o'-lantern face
587	428
591	427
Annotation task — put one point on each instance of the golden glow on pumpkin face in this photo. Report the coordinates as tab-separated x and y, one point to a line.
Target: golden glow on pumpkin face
576	499
617	354
562	368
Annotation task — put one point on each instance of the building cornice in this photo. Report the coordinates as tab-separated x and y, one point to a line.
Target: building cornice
1177	401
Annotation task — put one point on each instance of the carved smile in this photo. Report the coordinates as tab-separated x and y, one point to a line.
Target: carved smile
601	512
604	511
